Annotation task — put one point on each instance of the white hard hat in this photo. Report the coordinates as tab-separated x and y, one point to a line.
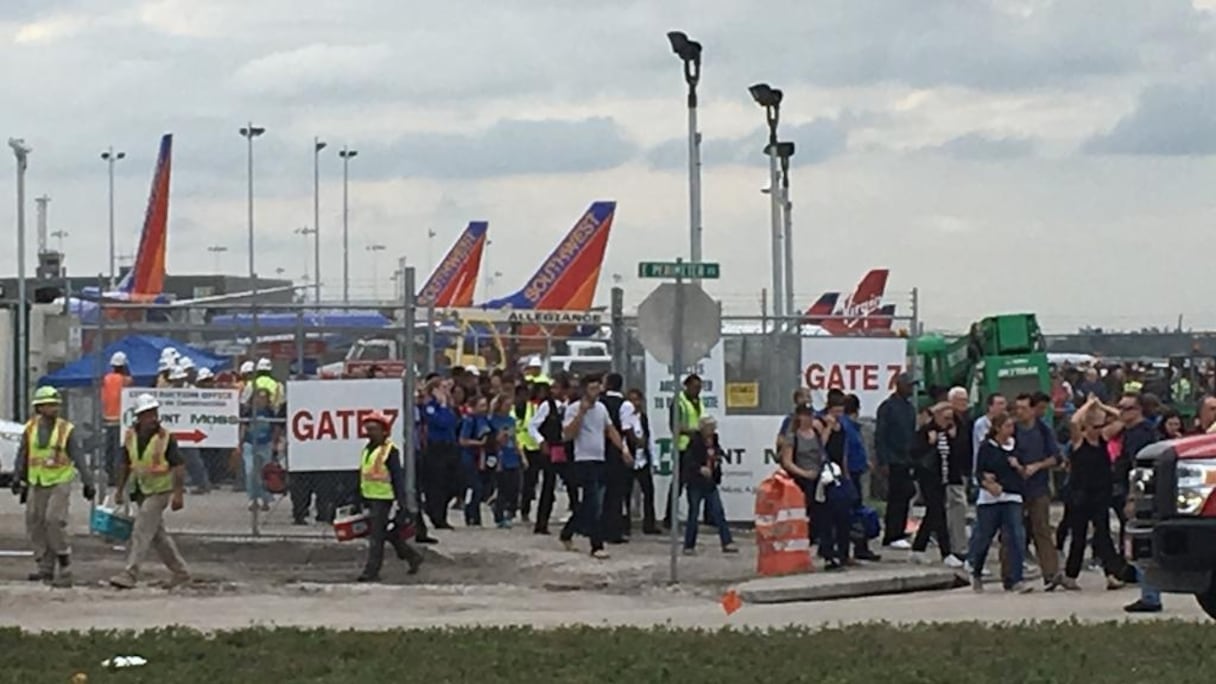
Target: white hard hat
186	362
164	365
178	373
533	362
145	402
246	368
118	359
472	370
168	353
204	373
264	364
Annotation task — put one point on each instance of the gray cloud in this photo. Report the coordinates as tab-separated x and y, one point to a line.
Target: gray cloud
1169	120
979	146
816	141
508	147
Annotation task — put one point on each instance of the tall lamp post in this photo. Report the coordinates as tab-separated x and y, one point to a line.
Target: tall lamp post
770	98
375	248
22	152
306	231
785	150
346	154
217	250
689	52
250	132
110	157
317	146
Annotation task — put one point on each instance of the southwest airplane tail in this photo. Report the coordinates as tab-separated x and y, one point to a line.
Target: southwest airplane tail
455	277
567	279
146	279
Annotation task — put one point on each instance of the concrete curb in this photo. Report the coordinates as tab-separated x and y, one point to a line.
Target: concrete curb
826	587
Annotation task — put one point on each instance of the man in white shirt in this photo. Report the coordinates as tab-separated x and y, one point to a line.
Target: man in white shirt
618	483
546	429
589	426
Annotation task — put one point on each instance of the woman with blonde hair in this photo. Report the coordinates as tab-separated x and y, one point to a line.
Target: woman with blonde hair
702	473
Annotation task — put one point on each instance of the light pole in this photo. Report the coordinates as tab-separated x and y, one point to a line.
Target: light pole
317	146
60	235
306	231
785	150
375	248
346	154
217	250
770	99
22	152
250	132
110	157
689	52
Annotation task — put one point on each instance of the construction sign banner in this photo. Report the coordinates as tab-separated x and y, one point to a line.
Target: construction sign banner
324	421
198	418
863	366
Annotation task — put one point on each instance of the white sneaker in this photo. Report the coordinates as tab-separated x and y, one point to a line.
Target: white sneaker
985	573
953	562
900	545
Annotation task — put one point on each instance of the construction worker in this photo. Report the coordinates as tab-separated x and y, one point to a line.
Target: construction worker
152	456
164	368
205	379
381	482
186	364
534	370
112	385
688	410
47	461
529	397
245	382
264	380
178	377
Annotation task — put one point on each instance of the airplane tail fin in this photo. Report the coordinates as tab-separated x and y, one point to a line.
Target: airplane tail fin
567	278
824	306
455	277
872	287
881	319
147	274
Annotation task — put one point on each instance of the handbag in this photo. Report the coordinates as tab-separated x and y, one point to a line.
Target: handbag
557	453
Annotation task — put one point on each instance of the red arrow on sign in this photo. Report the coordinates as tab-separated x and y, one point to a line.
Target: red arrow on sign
195	436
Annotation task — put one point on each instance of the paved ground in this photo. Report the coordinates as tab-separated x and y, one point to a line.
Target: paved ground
475	576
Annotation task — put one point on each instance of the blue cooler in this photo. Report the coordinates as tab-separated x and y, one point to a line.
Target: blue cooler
107	522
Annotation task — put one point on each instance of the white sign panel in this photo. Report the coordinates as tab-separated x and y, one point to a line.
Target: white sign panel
749	456
865	366
198	418
324	420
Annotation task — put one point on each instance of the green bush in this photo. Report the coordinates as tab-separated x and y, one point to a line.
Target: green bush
1174	652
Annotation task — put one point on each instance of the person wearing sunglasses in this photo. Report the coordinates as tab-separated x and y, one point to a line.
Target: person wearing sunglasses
1090	488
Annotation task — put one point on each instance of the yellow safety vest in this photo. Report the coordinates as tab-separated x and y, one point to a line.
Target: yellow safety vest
50	464
1133	386
272	386
522	436
375	482
691	413
151	469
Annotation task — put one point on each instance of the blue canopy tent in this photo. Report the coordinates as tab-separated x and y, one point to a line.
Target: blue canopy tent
143	356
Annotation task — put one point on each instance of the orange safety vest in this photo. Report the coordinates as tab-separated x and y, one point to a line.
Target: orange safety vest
111	395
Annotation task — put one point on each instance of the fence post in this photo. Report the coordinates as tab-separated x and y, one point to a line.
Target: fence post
300	344
407	404
100	452
254	527
620	350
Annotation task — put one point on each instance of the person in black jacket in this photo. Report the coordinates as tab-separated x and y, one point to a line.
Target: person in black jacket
894	433
935	442
999	506
962	455
701	471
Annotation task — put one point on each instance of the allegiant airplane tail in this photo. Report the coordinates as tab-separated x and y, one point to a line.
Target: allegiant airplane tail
455	277
146	279
567	278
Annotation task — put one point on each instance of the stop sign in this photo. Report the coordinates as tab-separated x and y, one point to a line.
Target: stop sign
701	323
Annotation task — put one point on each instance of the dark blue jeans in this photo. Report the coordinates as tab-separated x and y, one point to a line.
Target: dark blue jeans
473	490
587	477
834	518
1007	519
713	504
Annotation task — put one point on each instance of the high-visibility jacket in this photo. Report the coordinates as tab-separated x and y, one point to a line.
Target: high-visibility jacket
273	387
1133	387
1181	389
150	467
522	436
690	416
49	464
111	395
375	482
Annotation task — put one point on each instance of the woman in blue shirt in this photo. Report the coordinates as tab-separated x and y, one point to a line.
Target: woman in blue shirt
474	433
257	441
999	506
510	462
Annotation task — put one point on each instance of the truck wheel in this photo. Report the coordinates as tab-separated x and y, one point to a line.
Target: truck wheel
1208	602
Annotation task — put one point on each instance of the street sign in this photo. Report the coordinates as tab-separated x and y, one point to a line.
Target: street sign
199	418
679	269
700	329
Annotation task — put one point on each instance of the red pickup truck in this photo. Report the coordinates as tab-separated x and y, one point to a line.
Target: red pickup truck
1171	533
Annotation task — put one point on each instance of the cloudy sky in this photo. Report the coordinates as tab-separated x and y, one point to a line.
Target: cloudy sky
1045	155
